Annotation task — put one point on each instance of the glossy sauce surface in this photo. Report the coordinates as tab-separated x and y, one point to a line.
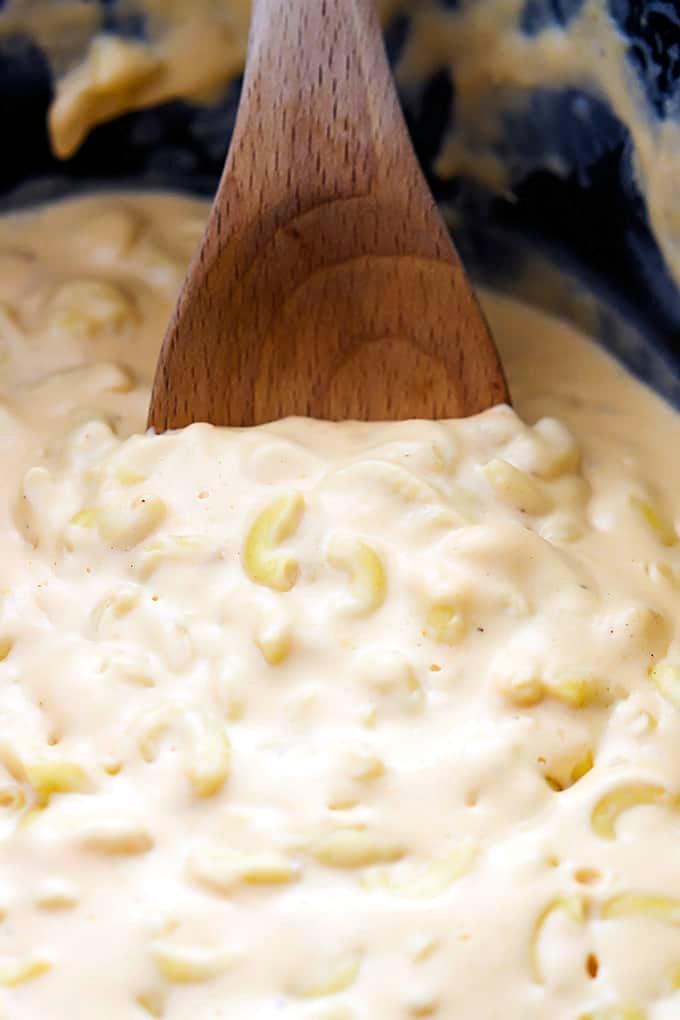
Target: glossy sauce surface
331	722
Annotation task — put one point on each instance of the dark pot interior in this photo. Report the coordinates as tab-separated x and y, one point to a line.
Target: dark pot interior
572	234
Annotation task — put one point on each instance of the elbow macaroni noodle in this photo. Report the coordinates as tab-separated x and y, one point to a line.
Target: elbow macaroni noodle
431	879
574	907
365	571
324	721
330	978
612	805
209	754
17	970
274	525
188	964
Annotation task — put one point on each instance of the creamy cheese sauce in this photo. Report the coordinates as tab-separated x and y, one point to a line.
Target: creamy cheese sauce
332	722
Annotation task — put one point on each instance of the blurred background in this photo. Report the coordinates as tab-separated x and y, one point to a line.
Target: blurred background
549	131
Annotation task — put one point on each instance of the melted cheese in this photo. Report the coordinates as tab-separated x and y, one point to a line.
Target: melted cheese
320	721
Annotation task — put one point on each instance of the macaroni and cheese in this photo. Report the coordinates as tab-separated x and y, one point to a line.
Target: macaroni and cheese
325	722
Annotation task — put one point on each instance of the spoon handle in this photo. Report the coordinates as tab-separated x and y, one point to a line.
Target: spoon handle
322	113
326	284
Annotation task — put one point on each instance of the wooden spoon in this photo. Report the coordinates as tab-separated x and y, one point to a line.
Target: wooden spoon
326	284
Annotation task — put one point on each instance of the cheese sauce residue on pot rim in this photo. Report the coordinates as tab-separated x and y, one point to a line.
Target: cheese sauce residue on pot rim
498	67
331	722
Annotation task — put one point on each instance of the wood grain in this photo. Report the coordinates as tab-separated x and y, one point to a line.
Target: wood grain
326	284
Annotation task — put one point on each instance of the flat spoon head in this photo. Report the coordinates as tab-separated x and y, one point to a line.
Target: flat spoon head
326	284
